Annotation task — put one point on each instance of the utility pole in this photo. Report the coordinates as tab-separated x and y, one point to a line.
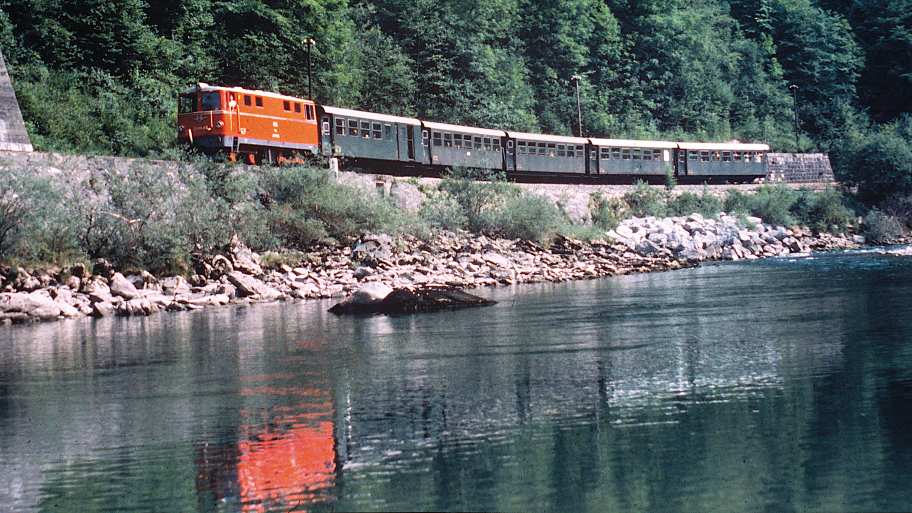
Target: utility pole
579	111
794	89
310	43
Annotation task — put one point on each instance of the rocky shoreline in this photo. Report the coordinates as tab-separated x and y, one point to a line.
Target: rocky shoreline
459	260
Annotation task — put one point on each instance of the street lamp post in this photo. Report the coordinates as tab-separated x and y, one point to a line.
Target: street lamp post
309	42
794	89
579	111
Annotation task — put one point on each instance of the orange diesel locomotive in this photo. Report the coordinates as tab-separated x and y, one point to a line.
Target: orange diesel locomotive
254	126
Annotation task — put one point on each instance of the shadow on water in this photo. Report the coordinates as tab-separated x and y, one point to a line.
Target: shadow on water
783	384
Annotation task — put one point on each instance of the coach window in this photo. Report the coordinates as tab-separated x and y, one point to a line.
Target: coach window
247	100
476	142
425	138
496	144
447	140
704	156
625	153
353	127
561	150
365	129
340	126
580	152
259	101
726	156
457	140
286	105
521	147
657	155
437	140
388	131
487	143
378	131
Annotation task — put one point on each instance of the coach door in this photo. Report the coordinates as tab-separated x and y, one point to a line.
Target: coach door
326	136
410	138
511	156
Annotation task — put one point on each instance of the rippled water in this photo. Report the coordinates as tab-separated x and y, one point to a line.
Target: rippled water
784	384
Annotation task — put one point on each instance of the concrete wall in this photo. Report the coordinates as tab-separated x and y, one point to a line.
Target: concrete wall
800	168
13	136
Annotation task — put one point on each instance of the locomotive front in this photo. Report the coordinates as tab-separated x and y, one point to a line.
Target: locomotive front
204	118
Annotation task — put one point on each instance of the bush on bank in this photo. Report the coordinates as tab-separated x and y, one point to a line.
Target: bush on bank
161	218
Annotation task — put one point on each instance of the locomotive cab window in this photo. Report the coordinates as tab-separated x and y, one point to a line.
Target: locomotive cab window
286	105
259	101
297	107
210	101
309	109
186	103
247	100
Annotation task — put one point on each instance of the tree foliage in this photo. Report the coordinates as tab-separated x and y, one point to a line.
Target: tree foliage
101	76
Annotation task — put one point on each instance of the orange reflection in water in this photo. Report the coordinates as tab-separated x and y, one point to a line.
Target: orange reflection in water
286	463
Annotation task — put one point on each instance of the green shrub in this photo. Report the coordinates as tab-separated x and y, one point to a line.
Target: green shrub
736	202
528	217
773	204
441	210
606	213
881	228
688	203
37	222
647	201
822	211
881	166
900	207
345	212
480	200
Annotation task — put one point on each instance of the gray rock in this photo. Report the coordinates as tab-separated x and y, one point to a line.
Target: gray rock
175	285
362	272
122	287
221	265
647	248
497	260
248	286
102	267
78	270
245	260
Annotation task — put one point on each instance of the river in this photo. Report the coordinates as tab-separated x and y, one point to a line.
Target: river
783	384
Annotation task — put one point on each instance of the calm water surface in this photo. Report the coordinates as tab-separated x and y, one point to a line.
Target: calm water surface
777	385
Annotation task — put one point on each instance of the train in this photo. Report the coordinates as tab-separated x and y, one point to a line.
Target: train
260	127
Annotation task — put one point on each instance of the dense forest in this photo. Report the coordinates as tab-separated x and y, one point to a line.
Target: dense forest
101	76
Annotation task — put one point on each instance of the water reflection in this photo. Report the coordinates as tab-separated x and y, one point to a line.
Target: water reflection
776	385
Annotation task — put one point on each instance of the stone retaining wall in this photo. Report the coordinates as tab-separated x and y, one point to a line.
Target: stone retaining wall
800	168
13	136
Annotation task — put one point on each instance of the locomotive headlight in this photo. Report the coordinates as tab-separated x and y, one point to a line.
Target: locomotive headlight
219	124
180	128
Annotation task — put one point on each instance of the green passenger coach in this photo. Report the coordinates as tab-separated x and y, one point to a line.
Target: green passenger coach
366	135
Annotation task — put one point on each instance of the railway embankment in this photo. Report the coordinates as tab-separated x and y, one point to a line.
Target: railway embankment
454	259
131	237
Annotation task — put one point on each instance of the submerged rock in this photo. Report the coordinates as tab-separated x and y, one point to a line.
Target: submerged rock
409	300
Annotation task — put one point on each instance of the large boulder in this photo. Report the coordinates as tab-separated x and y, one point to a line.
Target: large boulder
120	286
409	300
248	286
244	260
371	249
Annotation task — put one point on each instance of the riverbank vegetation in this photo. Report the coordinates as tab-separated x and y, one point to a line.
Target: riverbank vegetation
165	219
101	77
